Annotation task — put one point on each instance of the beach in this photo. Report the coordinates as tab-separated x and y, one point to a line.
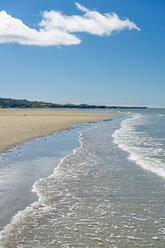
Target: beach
41	128
97	184
17	126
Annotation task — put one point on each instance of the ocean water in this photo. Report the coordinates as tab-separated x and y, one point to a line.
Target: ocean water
107	192
143	137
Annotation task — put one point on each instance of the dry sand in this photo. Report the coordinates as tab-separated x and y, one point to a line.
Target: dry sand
17	126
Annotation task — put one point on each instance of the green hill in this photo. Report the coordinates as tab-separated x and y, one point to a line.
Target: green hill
13	103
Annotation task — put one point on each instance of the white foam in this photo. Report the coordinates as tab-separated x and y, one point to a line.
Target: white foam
36	206
137	145
155	238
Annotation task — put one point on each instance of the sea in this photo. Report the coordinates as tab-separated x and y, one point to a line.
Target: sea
94	185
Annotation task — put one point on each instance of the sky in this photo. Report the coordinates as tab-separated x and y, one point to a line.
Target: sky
95	52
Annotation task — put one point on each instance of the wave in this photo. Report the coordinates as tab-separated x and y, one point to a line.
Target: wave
145	150
42	206
36	206
87	202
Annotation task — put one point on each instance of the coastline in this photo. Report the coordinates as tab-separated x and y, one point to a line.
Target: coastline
21	125
25	164
93	180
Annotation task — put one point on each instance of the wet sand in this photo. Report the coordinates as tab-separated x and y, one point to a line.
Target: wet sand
23	165
17	126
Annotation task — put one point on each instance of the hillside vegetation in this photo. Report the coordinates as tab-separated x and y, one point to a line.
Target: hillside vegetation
13	103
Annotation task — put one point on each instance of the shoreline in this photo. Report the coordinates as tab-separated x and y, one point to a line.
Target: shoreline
18	126
81	178
26	166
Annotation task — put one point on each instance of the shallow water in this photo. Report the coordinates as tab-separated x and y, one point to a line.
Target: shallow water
143	137
108	193
23	165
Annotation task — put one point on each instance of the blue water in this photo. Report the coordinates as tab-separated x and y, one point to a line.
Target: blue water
107	192
143	137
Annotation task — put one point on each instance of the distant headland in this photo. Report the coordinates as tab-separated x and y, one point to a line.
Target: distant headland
14	103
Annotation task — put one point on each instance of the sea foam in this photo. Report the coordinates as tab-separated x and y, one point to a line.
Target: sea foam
145	150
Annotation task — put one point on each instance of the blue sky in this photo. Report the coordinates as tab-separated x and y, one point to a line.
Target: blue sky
124	67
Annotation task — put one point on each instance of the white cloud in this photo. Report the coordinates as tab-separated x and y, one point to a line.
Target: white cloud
57	29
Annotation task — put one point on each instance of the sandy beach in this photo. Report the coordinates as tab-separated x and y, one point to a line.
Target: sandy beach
17	126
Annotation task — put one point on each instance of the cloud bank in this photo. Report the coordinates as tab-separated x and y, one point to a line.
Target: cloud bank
57	29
